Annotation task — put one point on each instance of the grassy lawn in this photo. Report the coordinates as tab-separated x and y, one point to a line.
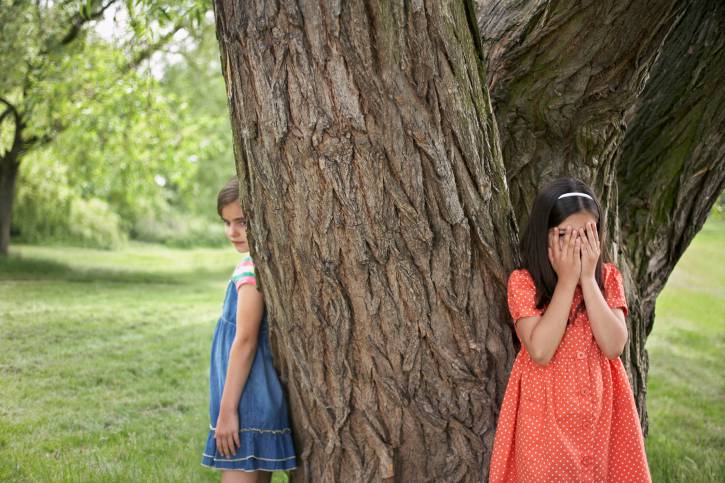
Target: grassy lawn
104	359
686	396
104	362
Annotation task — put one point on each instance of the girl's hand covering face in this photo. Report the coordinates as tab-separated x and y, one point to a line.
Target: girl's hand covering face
590	250
565	254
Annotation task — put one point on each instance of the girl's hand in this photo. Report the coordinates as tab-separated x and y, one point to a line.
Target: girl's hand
565	255
590	249
227	433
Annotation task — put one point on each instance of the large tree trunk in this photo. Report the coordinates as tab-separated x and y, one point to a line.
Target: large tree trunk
380	214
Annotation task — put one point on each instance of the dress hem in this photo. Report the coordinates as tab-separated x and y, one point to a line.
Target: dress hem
267	470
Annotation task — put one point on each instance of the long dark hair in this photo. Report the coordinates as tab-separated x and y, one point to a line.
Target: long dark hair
549	211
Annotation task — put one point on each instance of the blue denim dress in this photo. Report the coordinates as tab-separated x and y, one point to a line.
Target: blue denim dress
264	431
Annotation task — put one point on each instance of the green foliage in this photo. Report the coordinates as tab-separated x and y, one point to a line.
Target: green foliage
48	211
93	222
198	84
116	140
43	203
180	231
718	209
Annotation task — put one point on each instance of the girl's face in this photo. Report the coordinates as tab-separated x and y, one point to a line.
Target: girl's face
575	221
235	227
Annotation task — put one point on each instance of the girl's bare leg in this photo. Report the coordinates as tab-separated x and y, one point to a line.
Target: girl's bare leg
246	477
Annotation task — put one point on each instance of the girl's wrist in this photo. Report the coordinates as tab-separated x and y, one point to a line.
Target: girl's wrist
568	284
227	409
588	279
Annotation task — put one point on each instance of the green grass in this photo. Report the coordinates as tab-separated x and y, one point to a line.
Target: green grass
104	362
686	387
104	359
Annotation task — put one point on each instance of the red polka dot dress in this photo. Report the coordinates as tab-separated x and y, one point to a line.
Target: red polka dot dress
575	418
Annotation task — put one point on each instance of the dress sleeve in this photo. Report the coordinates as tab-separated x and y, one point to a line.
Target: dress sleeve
522	295
614	288
244	273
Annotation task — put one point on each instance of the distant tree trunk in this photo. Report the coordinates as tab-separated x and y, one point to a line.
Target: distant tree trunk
383	215
9	165
8	177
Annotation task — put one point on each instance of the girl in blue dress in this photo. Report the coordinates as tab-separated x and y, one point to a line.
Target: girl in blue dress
249	431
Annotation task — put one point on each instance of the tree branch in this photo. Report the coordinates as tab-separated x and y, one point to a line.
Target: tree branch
149	50
11	107
79	19
12	155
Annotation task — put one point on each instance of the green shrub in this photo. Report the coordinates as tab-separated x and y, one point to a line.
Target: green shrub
48	210
180	231
94	224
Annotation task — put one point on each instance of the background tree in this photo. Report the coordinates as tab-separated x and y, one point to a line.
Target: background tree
96	129
384	198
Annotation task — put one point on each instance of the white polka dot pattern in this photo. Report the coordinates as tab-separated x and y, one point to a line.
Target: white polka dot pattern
575	418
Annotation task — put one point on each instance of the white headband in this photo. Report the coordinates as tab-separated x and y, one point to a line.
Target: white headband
575	193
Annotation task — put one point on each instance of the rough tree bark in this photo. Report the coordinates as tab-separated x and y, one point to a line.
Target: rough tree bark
376	183
561	76
671	168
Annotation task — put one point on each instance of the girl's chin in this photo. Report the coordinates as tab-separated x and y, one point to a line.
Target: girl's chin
241	247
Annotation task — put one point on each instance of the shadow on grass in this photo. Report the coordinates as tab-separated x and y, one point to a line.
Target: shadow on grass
25	269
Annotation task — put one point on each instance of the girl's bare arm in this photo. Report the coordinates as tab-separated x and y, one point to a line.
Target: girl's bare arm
541	335
608	326
250	308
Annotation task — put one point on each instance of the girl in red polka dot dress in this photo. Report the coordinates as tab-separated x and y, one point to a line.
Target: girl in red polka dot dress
568	413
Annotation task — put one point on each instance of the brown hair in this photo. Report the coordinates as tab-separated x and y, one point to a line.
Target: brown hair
228	194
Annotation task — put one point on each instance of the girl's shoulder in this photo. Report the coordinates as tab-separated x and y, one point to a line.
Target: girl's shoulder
520	275
609	270
520	279
244	273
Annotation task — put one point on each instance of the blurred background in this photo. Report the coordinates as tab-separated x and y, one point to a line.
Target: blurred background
130	136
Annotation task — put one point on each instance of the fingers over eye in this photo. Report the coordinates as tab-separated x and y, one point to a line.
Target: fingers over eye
596	233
